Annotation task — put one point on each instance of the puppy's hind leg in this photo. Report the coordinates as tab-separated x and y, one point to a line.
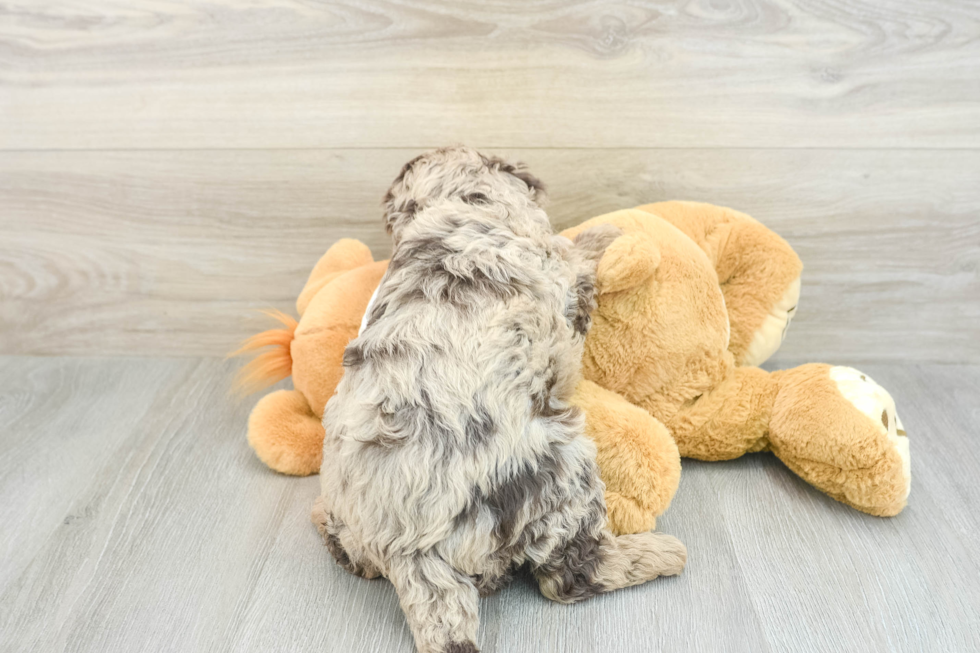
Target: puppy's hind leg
334	533
590	564
439	602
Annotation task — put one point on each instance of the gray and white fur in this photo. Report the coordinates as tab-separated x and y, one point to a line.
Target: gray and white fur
452	455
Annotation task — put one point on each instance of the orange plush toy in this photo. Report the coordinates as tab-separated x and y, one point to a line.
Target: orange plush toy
285	428
689	298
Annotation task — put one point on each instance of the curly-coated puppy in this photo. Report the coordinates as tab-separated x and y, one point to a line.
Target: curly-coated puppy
451	455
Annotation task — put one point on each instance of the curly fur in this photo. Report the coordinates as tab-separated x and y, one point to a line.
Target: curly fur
452	455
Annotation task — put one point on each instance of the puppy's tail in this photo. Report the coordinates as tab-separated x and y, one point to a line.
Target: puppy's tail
273	364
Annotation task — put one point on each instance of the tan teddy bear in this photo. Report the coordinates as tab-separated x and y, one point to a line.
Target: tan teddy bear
688	294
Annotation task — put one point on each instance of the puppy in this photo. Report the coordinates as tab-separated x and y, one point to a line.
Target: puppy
452	456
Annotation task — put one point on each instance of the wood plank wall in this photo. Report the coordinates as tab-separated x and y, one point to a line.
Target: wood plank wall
167	167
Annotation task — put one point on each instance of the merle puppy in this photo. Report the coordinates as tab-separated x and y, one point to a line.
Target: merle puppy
452	455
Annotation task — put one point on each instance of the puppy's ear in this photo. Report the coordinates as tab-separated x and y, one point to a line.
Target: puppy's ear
535	187
399	211
627	262
399	207
595	240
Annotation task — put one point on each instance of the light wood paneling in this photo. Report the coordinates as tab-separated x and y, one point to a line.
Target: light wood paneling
169	252
135	518
514	73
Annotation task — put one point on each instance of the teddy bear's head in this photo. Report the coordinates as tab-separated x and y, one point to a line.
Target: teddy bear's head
660	332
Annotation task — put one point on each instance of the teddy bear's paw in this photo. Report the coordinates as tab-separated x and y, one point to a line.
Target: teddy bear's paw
875	402
627	515
285	433
770	334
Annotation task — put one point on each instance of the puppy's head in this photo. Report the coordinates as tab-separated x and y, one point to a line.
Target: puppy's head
457	173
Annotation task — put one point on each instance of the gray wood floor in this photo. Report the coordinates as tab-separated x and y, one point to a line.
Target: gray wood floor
135	518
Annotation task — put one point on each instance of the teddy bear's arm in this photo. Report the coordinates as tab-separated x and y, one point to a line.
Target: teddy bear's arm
638	460
758	272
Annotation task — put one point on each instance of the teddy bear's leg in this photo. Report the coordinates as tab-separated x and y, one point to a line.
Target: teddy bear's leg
767	337
759	273
637	457
839	430
346	254
728	421
285	433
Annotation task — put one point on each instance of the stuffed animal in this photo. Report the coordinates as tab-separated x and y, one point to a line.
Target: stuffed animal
689	297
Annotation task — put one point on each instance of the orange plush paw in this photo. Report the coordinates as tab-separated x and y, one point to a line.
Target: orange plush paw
638	459
285	433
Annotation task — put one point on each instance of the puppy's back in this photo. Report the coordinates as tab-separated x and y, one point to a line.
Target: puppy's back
466	344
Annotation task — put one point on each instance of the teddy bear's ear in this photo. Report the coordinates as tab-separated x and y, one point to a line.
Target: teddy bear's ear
628	261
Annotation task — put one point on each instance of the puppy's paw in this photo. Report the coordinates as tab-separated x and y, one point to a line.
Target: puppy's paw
319	516
647	556
594	240
667	553
461	647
